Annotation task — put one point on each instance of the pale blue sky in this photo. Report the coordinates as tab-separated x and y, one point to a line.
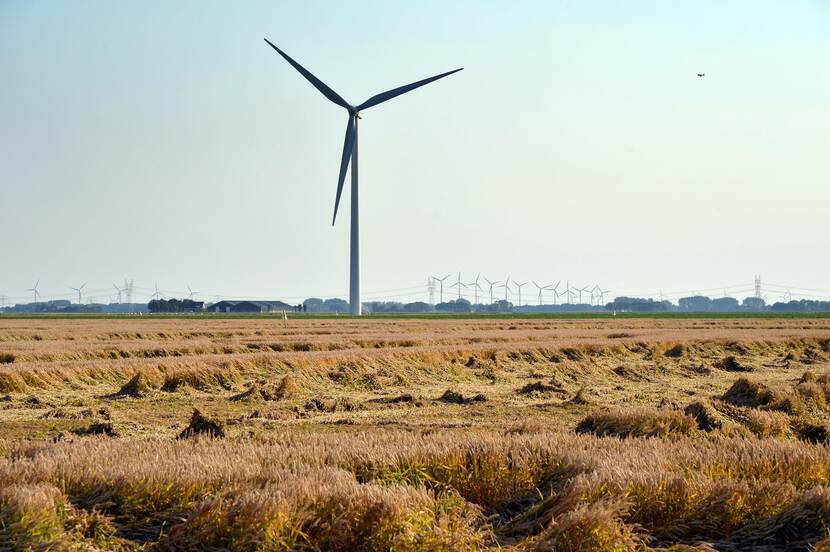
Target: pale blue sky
166	142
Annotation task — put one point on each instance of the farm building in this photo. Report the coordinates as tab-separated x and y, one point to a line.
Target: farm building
250	306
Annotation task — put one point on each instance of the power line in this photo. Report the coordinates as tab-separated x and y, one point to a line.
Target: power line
798	288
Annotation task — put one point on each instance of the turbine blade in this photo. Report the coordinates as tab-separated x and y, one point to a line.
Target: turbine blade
318	84
348	148
389	94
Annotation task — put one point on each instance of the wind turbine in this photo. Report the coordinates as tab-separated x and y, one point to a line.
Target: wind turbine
581	290
191	293
78	289
556	293
600	294
476	287
492	284
350	155
541	289
441	283
568	293
34	290
519	287
119	290
506	286
459	284
156	295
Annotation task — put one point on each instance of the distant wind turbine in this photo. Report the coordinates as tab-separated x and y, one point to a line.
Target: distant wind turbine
34	290
556	293
191	293
492	285
581	290
78	289
506	286
441	283
459	284
601	292
519	288
541	289
568	293
476	287
350	156
119	290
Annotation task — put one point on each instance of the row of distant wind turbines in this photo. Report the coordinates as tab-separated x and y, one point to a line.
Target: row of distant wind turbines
127	286
595	292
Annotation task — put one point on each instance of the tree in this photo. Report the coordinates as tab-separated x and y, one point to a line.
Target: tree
637	304
417	306
165	305
754	304
696	303
456	305
314	304
804	305
725	304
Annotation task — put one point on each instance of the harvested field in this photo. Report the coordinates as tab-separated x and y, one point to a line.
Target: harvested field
520	434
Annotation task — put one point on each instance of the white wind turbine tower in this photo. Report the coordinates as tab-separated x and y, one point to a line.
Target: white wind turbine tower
492	285
459	284
519	287
441	286
350	156
34	290
78	289
541	289
476	287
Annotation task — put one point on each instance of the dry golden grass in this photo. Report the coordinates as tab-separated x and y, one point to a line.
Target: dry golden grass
209	434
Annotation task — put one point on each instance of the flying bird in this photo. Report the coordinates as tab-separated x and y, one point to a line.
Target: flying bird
701	74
